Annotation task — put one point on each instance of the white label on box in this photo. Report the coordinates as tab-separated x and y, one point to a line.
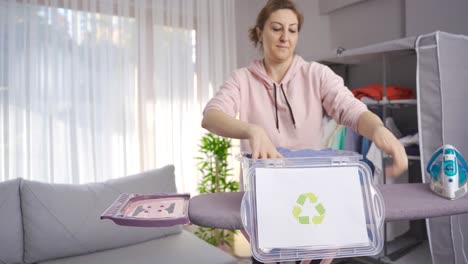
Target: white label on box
310	207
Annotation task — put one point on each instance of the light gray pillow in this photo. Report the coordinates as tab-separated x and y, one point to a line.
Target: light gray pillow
62	220
11	230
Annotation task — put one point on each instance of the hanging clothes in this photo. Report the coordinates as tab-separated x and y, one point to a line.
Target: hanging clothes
329	126
337	139
366	143
353	141
390	124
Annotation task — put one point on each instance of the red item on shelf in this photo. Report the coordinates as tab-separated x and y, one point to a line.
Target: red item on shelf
376	91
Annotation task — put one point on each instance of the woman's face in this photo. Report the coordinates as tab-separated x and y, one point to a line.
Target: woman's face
279	35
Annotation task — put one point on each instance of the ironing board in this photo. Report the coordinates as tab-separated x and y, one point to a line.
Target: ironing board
402	202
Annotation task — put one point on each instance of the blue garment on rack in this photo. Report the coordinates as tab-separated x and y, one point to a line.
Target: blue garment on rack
353	141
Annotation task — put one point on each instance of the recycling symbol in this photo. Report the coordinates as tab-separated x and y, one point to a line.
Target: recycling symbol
304	219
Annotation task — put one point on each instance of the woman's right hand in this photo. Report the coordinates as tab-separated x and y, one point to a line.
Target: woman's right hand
261	145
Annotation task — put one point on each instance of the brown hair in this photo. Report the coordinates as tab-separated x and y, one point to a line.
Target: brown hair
267	10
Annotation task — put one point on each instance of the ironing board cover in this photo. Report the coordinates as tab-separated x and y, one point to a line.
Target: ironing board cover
408	201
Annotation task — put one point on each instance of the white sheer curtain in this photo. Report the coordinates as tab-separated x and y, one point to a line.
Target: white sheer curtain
98	89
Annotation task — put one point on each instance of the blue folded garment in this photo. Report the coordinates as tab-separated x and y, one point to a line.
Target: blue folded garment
328	152
304	153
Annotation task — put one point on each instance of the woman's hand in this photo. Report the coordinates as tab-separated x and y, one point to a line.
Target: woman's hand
260	144
224	125
371	127
388	143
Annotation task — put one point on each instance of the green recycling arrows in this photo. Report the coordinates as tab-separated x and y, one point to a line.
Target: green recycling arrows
303	219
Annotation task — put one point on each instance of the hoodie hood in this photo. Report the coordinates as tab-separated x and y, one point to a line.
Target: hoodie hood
258	70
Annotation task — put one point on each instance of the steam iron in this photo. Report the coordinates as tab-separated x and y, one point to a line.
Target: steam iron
448	168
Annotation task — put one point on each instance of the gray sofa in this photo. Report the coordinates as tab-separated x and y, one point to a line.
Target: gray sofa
59	223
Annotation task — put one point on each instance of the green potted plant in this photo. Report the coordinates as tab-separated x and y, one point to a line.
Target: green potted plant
216	177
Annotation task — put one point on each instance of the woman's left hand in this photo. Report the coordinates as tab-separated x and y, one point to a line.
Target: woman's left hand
388	143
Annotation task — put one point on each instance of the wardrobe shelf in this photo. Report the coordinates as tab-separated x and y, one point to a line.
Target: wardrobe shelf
410	157
394	103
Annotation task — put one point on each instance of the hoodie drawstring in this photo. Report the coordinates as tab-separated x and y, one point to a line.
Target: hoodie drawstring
289	106
287	103
276	108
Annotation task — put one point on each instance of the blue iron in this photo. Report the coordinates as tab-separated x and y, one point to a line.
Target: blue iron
448	168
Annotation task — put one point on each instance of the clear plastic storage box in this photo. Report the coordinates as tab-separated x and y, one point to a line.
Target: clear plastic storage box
311	207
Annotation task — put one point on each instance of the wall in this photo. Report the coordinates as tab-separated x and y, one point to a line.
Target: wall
367	23
425	16
246	13
328	6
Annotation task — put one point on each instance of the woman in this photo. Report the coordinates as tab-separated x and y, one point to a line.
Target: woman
280	99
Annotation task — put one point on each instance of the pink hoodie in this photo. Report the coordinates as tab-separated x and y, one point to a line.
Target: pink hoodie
308	87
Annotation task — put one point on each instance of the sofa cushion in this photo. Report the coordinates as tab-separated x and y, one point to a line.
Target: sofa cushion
62	220
11	230
181	248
